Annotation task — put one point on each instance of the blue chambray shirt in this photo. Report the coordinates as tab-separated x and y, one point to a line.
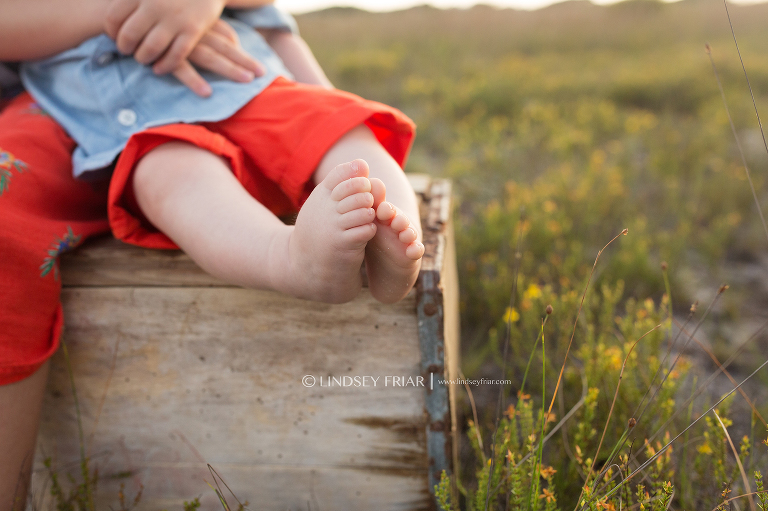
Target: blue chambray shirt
101	97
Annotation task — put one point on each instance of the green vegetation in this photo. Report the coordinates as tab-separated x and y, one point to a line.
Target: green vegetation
590	119
560	128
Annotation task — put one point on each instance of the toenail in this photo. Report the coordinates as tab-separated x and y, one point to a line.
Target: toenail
353	166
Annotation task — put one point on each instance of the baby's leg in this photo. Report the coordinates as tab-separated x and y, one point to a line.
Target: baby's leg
393	256
191	195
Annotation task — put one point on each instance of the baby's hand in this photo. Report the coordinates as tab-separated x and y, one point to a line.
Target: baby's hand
161	32
218	51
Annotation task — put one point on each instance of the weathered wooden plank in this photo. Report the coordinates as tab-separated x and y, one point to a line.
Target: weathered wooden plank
266	488
451	335
222	369
435	210
108	262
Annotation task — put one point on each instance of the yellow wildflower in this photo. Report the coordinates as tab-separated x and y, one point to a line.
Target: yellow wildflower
547	472
511	315
608	506
533	291
548	495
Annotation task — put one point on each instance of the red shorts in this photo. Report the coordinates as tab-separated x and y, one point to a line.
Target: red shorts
273	146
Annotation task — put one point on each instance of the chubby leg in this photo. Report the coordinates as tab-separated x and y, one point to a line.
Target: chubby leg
191	195
393	256
20	403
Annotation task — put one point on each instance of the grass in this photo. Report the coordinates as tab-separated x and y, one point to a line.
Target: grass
510	478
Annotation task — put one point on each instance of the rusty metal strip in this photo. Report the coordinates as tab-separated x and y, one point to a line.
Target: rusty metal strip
431	316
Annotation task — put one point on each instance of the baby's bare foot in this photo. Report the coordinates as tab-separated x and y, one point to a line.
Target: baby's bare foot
327	245
393	256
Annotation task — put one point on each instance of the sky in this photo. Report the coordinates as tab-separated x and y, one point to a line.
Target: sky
301	6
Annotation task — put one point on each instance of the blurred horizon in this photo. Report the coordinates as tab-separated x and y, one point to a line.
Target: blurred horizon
306	6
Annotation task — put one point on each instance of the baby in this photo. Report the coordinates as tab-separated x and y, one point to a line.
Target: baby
210	175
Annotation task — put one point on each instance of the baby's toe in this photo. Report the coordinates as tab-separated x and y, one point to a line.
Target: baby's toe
414	251
379	191
355	201
358	235
356	217
385	212
400	222
350	187
408	235
344	172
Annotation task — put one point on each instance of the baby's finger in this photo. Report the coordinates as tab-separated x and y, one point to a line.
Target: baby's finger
118	12
131	33
233	52
178	51
154	45
189	76
225	29
204	57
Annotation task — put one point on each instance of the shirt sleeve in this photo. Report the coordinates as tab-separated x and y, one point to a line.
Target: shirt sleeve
266	17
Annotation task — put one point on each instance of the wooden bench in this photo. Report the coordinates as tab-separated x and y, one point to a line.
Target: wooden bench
175	369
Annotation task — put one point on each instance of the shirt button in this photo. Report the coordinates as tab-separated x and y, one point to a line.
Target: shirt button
126	117
105	58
